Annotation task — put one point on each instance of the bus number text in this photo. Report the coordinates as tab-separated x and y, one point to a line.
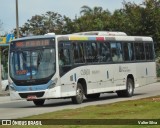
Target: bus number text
85	72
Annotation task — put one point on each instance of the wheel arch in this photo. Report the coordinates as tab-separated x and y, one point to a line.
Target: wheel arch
131	77
82	81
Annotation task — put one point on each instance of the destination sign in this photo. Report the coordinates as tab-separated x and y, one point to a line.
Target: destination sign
32	43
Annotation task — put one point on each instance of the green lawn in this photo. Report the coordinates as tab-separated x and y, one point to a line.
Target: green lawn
147	108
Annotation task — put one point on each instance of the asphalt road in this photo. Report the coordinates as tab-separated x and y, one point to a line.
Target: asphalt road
17	109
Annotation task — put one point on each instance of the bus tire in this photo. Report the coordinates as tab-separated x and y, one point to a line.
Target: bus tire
78	99
39	102
93	96
129	91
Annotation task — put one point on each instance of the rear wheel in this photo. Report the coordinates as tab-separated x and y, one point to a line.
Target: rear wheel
39	102
93	96
129	90
78	99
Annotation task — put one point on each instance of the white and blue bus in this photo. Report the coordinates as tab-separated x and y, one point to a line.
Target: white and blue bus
77	65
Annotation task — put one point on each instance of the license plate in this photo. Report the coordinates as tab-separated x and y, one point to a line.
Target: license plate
31	97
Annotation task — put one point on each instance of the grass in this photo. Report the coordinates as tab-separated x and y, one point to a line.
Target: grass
134	109
147	108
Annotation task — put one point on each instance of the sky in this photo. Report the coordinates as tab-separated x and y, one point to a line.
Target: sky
29	8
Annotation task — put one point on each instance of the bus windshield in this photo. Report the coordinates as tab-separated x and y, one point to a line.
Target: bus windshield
32	64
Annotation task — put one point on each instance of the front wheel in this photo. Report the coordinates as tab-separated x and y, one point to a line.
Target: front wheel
39	102
78	99
129	89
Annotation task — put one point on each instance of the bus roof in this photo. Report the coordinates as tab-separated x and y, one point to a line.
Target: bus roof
86	37
34	37
104	38
101	33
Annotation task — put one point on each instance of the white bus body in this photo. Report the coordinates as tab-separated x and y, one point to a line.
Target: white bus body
84	74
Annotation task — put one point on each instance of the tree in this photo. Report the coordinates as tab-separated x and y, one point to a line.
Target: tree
86	10
92	19
132	18
42	24
151	18
69	26
143	19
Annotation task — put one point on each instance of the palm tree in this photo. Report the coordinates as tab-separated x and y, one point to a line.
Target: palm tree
86	10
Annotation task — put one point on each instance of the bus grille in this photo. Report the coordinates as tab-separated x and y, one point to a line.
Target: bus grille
37	94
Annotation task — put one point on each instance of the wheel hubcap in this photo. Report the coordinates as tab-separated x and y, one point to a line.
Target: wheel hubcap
79	93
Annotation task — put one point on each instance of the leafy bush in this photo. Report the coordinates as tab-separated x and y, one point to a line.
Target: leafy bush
158	72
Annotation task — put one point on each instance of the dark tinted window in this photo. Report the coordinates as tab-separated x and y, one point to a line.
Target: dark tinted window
91	52
128	51
116	49
104	52
78	52
139	51
64	53
149	51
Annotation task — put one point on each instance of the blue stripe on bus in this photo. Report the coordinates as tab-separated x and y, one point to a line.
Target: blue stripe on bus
91	38
32	87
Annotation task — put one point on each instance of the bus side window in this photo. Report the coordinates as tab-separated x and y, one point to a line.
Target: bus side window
119	50
81	52
91	52
131	51
94	52
64	57
116	49
139	51
142	53
61	57
104	52
78	52
149	51
128	51
88	51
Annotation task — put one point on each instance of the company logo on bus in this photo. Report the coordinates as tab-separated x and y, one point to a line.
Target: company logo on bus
124	69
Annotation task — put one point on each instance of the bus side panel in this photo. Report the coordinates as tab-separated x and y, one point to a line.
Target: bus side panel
121	72
100	79
68	85
108	77
70	79
141	73
146	73
119	76
151	73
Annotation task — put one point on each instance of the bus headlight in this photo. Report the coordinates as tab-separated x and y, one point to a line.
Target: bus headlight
53	83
